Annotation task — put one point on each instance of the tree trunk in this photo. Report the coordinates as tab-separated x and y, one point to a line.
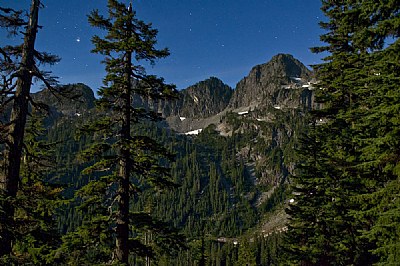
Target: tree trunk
122	230
9	182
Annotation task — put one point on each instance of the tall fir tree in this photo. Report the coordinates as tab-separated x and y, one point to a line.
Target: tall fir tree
356	155
131	162
36	202
18	67
379	123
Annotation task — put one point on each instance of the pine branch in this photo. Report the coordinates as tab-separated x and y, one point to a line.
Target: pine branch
5	55
11	20
99	21
39	106
46	58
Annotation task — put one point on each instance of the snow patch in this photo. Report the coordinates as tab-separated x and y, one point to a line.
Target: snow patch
194	132
277	107
296	78
78	114
196	100
182	118
243	113
309	86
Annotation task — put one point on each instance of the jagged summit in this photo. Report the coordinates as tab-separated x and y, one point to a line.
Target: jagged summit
205	98
84	99
264	80
199	105
286	64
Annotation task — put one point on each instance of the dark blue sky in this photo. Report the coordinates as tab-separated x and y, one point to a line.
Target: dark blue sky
222	38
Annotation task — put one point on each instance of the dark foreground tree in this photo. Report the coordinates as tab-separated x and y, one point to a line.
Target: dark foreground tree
349	168
322	229
123	162
34	226
18	68
380	123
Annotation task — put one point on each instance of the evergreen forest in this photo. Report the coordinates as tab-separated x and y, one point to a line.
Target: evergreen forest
294	166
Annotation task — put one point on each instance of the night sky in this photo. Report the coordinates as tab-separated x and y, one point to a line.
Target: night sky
221	38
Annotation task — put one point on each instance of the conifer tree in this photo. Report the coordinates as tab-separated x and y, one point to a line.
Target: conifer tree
379	123
110	230
36	202
18	67
321	229
352	152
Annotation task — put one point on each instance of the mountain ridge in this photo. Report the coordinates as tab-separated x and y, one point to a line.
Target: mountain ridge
263	80
281	83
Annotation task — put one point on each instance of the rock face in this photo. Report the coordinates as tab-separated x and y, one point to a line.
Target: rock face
82	102
270	84
202	100
282	83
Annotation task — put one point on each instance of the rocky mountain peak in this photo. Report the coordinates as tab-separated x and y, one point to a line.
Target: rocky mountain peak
205	98
73	99
287	65
266	79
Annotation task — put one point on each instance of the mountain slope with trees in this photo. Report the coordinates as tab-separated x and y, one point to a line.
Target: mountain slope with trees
228	183
292	167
